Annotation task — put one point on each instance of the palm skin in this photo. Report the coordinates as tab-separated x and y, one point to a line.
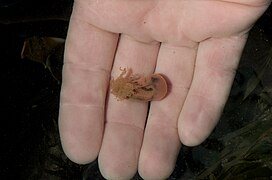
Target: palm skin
196	44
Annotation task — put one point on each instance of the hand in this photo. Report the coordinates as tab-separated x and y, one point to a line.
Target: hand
195	44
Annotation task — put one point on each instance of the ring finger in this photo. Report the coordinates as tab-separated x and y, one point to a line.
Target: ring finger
161	141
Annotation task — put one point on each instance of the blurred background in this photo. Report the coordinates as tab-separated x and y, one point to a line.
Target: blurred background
32	37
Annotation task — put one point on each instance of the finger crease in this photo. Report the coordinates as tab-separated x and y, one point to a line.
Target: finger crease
125	124
87	106
84	66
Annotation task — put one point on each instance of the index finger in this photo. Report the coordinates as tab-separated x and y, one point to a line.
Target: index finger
88	58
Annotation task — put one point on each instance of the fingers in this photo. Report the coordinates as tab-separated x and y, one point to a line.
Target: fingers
161	143
125	120
88	58
216	63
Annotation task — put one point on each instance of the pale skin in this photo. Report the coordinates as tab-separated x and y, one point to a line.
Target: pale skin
196	44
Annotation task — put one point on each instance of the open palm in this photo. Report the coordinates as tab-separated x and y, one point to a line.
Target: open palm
196	44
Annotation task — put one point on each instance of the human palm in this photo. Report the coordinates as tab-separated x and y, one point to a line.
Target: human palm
195	44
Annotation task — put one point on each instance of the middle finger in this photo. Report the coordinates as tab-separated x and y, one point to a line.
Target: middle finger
125	120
